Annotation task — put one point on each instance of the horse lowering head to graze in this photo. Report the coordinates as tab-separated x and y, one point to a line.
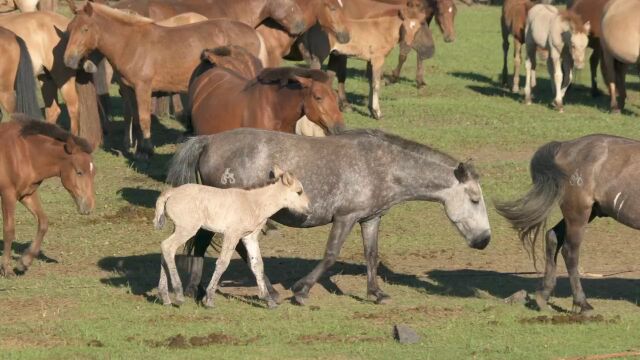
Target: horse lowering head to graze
353	177
446	11
30	152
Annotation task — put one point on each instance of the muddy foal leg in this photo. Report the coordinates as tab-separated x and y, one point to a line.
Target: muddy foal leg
32	202
8	230
339	231
370	242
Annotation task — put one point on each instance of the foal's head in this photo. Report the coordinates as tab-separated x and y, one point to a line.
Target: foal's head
77	173
445	16
413	16
295	199
577	36
320	103
288	14
332	19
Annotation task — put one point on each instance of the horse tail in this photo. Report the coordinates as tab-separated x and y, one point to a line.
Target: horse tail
263	55
159	219
25	84
184	165
528	215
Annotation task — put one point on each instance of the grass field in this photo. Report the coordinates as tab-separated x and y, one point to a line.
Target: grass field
92	293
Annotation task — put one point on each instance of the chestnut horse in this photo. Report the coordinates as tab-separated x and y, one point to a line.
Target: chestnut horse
231	95
30	152
620	46
17	82
151	57
513	22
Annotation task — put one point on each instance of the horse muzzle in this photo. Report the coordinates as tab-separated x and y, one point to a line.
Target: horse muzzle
481	241
343	37
336	129
298	27
72	61
450	38
84	207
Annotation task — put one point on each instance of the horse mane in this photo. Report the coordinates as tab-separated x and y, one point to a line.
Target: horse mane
574	20
411	146
31	127
282	75
128	17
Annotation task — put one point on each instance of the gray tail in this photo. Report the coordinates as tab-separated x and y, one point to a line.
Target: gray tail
529	214
184	165
25	84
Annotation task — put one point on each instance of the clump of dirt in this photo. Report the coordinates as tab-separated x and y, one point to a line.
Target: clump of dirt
130	213
95	343
569	319
331	338
181	342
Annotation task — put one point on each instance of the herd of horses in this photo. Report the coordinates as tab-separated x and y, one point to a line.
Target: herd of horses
247	112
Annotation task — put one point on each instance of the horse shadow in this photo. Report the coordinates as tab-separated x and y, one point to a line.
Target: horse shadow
20	248
139	197
141	274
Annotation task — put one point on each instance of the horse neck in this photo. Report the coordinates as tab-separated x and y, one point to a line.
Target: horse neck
114	35
267	200
263	14
288	103
50	155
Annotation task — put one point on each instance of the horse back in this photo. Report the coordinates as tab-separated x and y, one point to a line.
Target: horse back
376	37
514	14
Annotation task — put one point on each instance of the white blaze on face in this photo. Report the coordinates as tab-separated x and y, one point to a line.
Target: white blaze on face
412	24
91	166
450	9
340	3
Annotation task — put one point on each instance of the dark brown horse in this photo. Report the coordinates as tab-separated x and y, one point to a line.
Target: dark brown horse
148	57
237	93
17	82
513	22
251	12
30	152
589	177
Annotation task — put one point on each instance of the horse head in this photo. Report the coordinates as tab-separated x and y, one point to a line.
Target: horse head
332	18
445	16
83	36
321	102
288	14
77	174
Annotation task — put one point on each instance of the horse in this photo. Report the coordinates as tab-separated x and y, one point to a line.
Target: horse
370	171
17	82
444	12
327	15
620	46
588	177
43	35
30	152
564	36
513	22
224	98
155	58
236	213
591	10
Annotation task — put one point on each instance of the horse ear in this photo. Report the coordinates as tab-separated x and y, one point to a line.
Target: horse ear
72	6
59	32
461	173
277	172
332	76
70	146
305	82
288	179
88	8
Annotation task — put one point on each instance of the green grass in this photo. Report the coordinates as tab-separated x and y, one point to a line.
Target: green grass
101	291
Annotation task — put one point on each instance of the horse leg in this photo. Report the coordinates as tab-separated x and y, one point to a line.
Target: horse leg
338	63
144	149
609	74
163	283
593	62
32	203
9	230
517	60
374	87
505	51
420	72
257	266
405	49
529	66
576	221
555	69
229	243
554	237
339	231
370	242
169	247
242	250
70	96
50	97
621	73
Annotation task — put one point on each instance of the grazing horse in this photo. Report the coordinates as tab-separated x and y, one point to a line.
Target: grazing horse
513	22
369	172
151	57
591	11
30	152
224	98
17	82
564	36
43	35
620	46
592	176
236	213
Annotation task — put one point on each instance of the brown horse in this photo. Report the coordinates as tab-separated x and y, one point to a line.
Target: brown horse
151	57
513	22
30	152
251	12
591	11
231	95
17	82
328	15
592	176
620	46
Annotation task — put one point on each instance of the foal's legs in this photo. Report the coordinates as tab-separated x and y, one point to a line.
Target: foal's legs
32	202
370	242
9	230
339	231
530	71
505	51
517	60
229	243
257	266
405	49
555	70
374	87
338	63
169	247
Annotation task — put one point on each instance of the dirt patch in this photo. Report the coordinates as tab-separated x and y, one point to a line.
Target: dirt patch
181	342
95	343
569	319
408	313
130	213
331	338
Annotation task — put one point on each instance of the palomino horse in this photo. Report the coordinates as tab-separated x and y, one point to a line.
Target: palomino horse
591	11
327	15
155	58
564	35
369	172
620	46
236	213
513	22
17	83
445	13
589	177
32	151
42	33
224	98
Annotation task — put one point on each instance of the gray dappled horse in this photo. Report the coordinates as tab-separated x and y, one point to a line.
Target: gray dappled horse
589	176
354	177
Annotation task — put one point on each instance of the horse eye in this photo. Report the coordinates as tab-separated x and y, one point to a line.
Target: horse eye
475	201
79	172
300	193
318	98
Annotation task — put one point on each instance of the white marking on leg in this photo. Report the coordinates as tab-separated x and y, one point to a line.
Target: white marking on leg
615	201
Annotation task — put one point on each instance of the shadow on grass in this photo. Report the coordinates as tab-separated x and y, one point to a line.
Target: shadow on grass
139	197
20	248
141	274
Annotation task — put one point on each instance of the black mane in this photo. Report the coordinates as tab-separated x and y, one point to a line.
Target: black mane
36	127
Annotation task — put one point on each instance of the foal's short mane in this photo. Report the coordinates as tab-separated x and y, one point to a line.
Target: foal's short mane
126	17
574	20
282	75
35	127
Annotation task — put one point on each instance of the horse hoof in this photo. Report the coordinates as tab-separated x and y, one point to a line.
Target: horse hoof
179	300
276	297
515	89
527	102
383	299
541	302
299	300
271	304
391	80
376	115
208	302
345	107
